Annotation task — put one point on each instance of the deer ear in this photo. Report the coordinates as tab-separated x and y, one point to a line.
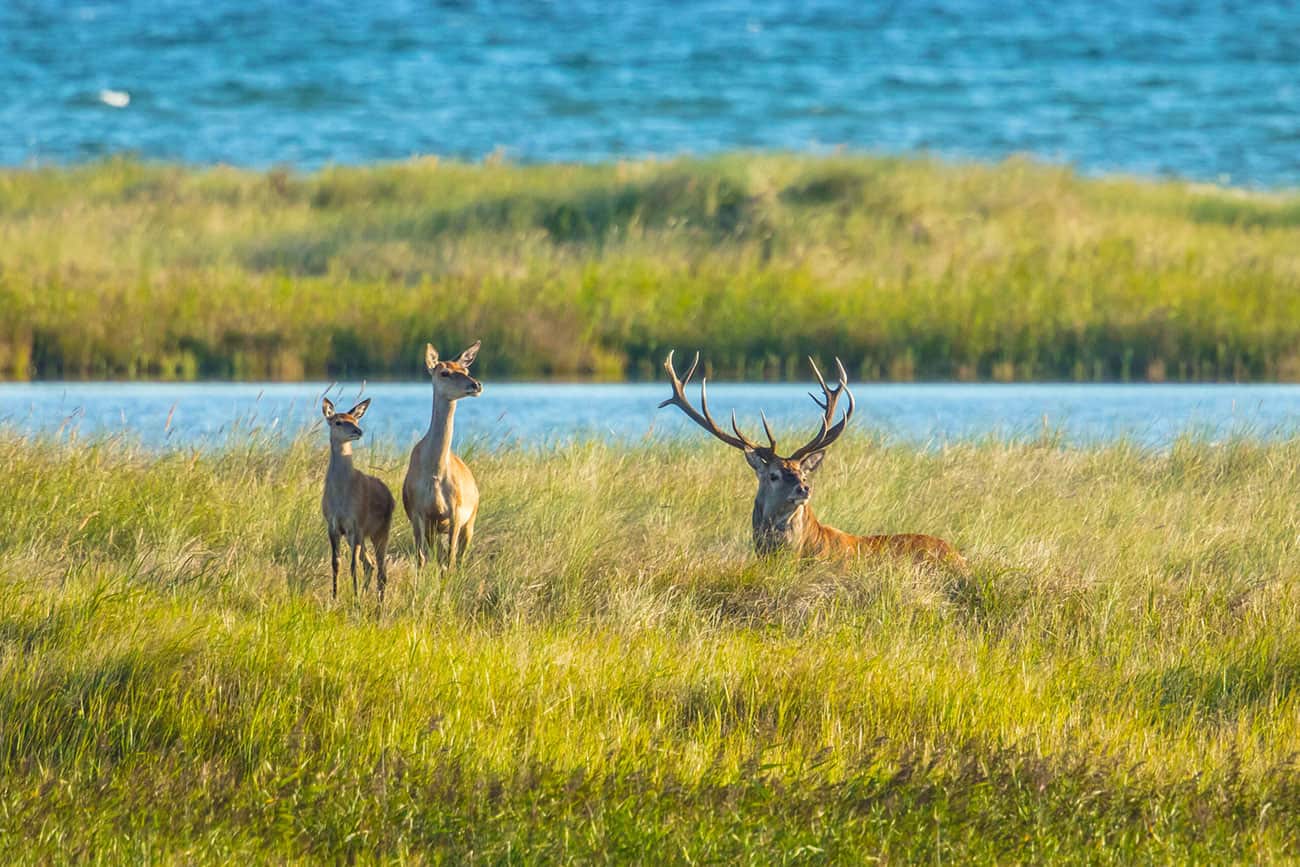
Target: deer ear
360	409
755	460
327	407
812	462
467	357
430	356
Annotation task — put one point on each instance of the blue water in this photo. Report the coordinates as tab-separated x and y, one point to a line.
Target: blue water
1207	90
216	414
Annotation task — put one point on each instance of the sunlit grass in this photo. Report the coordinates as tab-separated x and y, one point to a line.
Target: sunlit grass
906	268
614	675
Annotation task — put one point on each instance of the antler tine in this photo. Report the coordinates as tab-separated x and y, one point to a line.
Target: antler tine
820	381
705	419
767	429
743	442
678	385
695	362
828	433
749	444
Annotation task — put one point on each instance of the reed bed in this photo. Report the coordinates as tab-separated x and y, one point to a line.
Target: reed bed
905	268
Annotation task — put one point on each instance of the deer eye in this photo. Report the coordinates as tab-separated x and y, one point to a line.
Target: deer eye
776	477
444	373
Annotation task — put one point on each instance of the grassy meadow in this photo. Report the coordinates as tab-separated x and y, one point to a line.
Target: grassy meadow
906	268
612	675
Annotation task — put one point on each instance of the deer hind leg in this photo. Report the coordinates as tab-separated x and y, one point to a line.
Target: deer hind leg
367	564
380	544
434	540
419	529
357	553
334	562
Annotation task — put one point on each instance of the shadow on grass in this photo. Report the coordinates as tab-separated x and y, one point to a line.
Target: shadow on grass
1257	676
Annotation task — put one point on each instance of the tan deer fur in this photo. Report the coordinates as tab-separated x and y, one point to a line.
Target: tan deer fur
782	517
784	520
439	493
356	506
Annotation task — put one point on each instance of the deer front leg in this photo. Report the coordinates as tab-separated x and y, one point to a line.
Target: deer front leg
453	534
334	562
355	545
466	535
419	528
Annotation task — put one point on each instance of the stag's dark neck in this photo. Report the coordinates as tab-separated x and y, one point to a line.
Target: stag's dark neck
782	528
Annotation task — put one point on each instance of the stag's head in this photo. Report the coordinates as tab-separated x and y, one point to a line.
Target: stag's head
343	425
451	379
784	483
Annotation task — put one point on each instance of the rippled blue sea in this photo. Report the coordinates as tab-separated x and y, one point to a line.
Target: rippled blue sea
1206	90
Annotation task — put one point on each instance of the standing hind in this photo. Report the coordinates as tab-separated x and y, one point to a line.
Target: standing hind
356	506
439	493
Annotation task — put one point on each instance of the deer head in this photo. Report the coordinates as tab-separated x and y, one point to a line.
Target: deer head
784	483
343	425
451	379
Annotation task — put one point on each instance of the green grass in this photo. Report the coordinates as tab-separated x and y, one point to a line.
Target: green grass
613	676
906	268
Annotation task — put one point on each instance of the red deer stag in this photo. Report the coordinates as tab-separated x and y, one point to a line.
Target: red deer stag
783	518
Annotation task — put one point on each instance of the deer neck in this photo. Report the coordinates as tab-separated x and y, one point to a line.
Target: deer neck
435	448
340	468
783	527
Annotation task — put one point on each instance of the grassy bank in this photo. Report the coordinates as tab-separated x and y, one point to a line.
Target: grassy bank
612	675
905	268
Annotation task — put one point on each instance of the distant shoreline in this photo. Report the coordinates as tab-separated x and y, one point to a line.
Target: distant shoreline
910	269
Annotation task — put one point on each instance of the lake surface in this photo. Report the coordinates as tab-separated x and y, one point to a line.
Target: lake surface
1206	90
211	415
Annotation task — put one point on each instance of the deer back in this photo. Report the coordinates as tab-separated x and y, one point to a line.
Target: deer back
918	547
822	540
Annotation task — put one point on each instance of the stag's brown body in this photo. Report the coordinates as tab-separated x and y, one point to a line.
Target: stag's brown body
782	518
803	533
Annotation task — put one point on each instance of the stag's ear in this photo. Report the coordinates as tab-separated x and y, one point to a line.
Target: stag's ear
360	409
327	407
430	357
812	462
467	357
755	460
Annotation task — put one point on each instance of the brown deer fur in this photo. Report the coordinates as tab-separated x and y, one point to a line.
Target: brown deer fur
782	517
439	493
356	506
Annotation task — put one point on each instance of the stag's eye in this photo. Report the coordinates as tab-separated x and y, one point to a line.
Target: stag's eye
444	373
776	477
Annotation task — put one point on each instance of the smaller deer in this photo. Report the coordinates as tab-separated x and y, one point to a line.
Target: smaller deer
439	493
782	518
356	506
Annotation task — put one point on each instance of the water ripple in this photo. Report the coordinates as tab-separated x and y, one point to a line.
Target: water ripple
1204	90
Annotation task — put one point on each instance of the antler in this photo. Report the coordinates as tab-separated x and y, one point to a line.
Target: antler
827	434
705	419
